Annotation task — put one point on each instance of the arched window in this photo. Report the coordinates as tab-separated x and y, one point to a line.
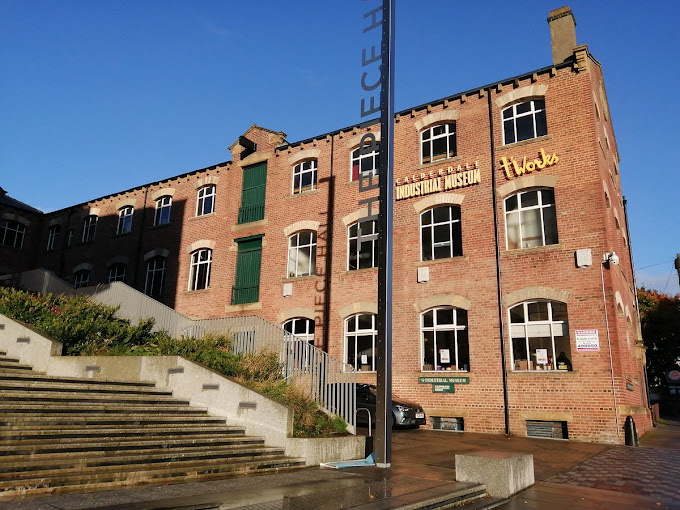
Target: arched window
364	164
523	121
302	328
360	338
304	176
444	334
205	201
530	219
438	142
90	228
116	273
155	272
81	278
125	219
440	233
539	333
12	234
52	236
163	207
199	273
302	254
363	245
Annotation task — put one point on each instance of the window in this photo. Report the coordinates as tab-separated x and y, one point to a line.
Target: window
540	336
199	274
304	176
302	328
163	206
12	234
69	237
360	338
302	254
363	254
90	228
247	279
52	235
440	233
125	220
205	202
444	334
116	273
81	278
438	142
253	193
530	219
155	271
365	164
524	121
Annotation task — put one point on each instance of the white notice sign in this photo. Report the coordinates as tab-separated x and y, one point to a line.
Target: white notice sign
587	340
444	356
364	359
541	356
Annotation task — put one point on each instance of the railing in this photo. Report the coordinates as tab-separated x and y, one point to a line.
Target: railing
248	213
326	380
242	295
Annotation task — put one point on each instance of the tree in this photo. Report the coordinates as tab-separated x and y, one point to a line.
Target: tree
660	322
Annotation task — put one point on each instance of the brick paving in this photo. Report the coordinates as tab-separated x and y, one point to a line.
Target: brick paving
651	472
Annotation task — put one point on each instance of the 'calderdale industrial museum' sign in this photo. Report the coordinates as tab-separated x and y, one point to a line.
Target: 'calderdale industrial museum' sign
513	169
434	181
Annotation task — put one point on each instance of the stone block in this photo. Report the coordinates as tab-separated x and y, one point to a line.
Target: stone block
503	473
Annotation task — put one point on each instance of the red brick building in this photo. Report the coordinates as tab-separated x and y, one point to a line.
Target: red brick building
512	269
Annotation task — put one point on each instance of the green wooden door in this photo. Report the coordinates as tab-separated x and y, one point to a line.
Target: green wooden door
252	195
247	281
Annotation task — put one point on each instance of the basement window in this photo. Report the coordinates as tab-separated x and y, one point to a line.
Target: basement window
547	429
442	423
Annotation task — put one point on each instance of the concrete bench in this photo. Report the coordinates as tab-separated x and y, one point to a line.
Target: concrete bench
503	473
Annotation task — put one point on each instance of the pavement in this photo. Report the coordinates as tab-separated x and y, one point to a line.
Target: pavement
569	475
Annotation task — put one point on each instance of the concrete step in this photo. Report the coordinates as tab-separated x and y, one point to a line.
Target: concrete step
89	420
83	386
38	376
119	432
67	465
103	427
8	367
20	395
4	359
92	407
164	476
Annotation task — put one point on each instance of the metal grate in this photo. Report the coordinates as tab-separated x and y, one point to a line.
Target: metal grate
548	429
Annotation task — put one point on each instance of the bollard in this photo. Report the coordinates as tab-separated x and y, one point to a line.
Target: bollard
631	432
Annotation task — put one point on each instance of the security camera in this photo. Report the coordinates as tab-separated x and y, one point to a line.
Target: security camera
614	259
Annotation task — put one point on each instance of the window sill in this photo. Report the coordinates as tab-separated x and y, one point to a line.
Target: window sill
123	234
153	227
300	278
518	373
364	270
198	291
439	162
243	307
303	193
202	216
361	372
459	258
443	372
251	224
543	138
536	249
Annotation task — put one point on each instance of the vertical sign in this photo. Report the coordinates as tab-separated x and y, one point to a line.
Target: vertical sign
369	56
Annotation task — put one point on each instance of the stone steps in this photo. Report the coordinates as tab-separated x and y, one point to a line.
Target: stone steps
63	434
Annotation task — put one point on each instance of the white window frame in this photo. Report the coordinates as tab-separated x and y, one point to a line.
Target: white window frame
52	235
309	327
195	280
371	239
533	112
114	275
524	210
19	232
357	158
552	324
294	254
452	243
202	195
163	204
153	271
449	130
308	166
356	333
125	220
90	228
455	327
81	278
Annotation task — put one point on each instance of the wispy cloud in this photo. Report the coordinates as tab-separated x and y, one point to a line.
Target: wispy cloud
212	28
311	77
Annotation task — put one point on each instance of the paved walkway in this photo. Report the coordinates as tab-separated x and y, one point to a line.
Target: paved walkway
569	475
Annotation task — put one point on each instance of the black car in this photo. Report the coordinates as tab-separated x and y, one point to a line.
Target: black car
404	413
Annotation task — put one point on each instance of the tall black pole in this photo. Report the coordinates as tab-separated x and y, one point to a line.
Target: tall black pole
383	436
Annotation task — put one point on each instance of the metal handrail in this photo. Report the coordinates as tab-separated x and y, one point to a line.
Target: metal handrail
370	423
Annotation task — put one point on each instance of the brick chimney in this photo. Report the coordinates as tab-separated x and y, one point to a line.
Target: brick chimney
562	33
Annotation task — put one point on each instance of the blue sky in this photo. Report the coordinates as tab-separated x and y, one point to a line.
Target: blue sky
97	97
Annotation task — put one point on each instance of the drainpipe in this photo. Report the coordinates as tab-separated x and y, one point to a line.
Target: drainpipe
140	238
499	293
329	253
609	341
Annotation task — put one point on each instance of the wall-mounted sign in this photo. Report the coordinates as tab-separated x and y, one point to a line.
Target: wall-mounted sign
541	356
513	168
444	355
434	181
437	380
443	388
629	386
587	340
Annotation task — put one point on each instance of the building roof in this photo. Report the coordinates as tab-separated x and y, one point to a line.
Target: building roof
16	204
